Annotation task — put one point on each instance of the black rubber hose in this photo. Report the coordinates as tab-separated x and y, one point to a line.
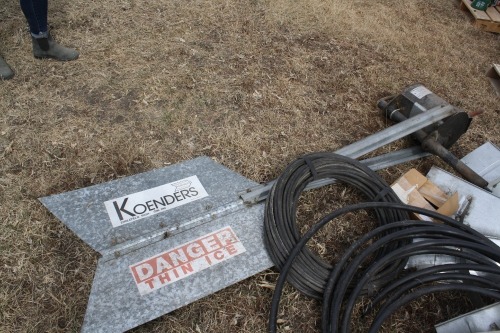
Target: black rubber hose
391	308
431	271
413	284
423	247
482	253
310	272
311	232
348	274
414	228
489	248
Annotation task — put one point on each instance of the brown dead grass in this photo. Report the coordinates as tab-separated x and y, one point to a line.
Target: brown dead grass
252	84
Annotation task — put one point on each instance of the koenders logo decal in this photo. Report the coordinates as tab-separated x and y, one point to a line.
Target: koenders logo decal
139	205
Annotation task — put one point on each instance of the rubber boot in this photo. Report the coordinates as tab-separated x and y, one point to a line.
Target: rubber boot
6	72
48	48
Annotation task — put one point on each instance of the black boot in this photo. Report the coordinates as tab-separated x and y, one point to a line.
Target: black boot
48	48
6	72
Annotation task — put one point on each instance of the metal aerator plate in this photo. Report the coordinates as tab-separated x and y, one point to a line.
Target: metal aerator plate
167	237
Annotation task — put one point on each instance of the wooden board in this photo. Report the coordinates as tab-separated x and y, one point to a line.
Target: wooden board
487	21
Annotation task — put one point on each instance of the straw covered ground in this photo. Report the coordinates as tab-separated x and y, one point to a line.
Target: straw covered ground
252	84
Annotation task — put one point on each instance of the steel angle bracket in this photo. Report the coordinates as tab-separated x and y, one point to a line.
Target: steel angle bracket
370	143
167	237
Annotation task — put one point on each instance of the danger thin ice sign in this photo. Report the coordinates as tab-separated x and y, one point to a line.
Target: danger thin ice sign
214	240
185	260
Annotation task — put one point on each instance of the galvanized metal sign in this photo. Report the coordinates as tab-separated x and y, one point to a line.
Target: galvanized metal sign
167	238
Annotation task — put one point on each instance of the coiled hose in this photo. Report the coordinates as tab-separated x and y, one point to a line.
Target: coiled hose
310	272
382	252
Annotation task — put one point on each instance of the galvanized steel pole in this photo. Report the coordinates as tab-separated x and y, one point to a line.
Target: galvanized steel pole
368	144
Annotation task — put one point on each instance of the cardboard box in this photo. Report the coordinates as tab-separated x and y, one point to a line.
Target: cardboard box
415	189
493	75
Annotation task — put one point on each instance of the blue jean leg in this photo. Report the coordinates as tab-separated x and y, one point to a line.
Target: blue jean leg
36	12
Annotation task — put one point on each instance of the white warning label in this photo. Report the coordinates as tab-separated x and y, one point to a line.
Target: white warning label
146	203
420	92
186	259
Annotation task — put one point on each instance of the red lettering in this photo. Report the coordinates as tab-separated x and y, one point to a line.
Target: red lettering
177	263
150	283
231	250
164	277
143	271
162	265
211	243
195	250
227	237
187	268
177	256
219	255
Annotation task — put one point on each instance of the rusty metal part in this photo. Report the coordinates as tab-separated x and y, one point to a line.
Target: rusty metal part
437	138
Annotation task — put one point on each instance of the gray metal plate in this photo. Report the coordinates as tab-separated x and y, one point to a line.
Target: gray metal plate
485	160
482	214
84	211
486	319
484	208
115	304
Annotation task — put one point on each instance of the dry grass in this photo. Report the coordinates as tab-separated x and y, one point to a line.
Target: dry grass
252	84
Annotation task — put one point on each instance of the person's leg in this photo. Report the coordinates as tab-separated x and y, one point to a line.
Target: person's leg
36	12
44	46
